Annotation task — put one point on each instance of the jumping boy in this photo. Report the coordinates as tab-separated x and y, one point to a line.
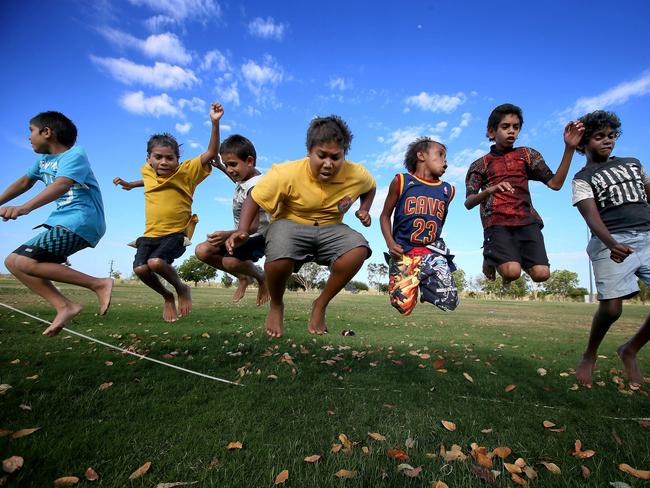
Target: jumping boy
238	157
76	223
612	196
307	199
168	192
498	182
418	256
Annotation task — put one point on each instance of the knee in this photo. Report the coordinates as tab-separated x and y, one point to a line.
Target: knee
156	264
141	270
540	275
510	271
203	251
610	310
15	262
10	262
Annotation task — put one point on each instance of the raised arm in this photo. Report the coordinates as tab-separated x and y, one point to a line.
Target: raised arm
58	188
216	112
17	188
572	135
394	249
128	185
589	212
218	163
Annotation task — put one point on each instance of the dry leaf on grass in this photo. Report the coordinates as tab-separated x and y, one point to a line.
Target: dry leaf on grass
519	480
502	452
344	473
141	471
91	475
5	432
24	432
548	424
66	481
409	443
234	445
530	472
336	448
509	388
552	467
480	456
376	436
12	464
282	477
438	363
617	438
175	484
411	472
35	377
105	386
456	454
541	371
365	450
27	408
560	429
512	468
397	454
468	377
482	473
439	484
345	441
619	484
637	473
450	426
4	388
579	453
585	471
520	462
312	459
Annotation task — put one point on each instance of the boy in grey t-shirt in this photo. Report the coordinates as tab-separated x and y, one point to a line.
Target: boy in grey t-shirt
612	195
238	158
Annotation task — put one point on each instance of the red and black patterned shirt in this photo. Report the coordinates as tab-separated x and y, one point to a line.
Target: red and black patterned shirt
516	166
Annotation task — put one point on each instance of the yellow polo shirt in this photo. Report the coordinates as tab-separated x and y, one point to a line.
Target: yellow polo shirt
168	201
289	191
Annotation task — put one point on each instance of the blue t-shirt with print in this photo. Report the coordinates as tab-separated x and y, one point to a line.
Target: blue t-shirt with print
80	210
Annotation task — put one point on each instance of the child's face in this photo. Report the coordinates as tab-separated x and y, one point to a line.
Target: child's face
326	160
39	140
506	132
163	160
601	144
238	169
434	159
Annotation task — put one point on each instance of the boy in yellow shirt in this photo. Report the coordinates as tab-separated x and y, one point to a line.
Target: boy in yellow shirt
168	192
307	199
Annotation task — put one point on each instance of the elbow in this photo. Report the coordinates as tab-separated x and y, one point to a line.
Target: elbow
554	186
468	205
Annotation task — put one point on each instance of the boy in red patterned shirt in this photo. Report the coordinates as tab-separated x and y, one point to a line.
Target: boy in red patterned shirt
498	182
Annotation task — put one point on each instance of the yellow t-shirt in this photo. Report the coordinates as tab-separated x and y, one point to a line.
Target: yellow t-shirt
289	191
168	201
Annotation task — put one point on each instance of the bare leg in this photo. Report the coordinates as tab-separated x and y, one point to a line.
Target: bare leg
608	312
539	273
66	310
184	292
241	288
277	274
627	352
489	271
152	281
343	270
509	271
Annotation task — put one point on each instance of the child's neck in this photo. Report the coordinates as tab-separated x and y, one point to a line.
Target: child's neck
56	148
596	160
425	174
255	172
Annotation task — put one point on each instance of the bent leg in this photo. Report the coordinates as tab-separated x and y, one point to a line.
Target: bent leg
509	271
627	352
152	281
164	269
277	274
243	270
539	273
608	312
343	270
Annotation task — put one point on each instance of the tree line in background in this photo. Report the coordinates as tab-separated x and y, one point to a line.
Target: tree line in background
562	284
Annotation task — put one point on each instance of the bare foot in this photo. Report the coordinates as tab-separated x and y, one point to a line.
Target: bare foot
104	295
63	316
317	320
584	370
185	300
634	375
274	324
169	310
262	293
489	271
241	289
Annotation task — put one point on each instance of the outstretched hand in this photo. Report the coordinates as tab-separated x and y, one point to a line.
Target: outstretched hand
573	134
13	212
216	112
124	184
236	239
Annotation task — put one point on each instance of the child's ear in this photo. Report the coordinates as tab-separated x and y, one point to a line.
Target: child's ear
250	161
47	132
420	155
490	133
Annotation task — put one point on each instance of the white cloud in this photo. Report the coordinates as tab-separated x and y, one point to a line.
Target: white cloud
399	140
137	103
378	202
158	23
617	95
183	128
223	200
195	145
435	103
339	84
266	29
464	122
164	46
467	156
196	104
215	58
225	127
160	75
180	10
261	79
227	90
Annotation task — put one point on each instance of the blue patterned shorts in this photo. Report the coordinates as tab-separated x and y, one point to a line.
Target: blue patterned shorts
53	245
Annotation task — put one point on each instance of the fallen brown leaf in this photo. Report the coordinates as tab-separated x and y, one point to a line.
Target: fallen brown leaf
617	438
519	480
336	448
176	483
579	453
24	432
548	424
637	473
438	363
141	471
585	471
413	473
105	386
530	472
450	426
35	377
312	459
345	441
66	481
552	467
234	445
331	413
27	408
365	450
502	452
468	377
4	388
560	429
512	468
509	388
482	473
344	473
5	432
282	477
376	436
456	454
397	454
12	464
409	443
91	475
439	484
520	462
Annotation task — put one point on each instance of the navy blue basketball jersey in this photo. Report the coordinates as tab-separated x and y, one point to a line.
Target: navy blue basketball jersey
420	211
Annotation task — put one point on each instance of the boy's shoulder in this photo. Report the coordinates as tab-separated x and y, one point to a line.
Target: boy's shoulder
249	183
587	171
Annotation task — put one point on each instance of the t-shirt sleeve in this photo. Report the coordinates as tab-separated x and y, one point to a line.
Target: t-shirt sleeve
538	170
195	171
473	179
580	190
34	171
270	190
367	180
74	164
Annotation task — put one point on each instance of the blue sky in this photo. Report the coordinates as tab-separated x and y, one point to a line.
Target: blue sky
124	70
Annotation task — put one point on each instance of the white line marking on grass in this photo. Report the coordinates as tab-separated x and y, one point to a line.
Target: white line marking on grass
92	339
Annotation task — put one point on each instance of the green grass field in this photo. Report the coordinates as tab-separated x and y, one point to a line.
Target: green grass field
381	380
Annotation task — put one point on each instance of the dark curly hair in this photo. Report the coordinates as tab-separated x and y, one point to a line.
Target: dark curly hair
165	140
421	144
500	112
329	129
595	121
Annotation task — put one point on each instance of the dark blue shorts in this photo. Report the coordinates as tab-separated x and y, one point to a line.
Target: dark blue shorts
54	245
166	248
251	250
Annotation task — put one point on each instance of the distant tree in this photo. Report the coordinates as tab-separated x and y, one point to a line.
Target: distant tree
460	279
383	288
561	282
227	280
116	275
192	269
516	289
644	292
578	294
293	284
356	286
310	274
376	274
519	288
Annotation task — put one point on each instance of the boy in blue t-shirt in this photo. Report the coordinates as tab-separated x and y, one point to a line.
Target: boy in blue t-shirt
77	221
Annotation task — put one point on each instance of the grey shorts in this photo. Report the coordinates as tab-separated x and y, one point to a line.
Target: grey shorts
619	280
324	244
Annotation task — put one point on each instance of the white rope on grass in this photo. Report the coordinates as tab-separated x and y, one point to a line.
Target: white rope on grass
126	351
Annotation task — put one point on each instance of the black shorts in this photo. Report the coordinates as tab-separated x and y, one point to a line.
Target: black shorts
522	244
167	248
251	250
54	245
